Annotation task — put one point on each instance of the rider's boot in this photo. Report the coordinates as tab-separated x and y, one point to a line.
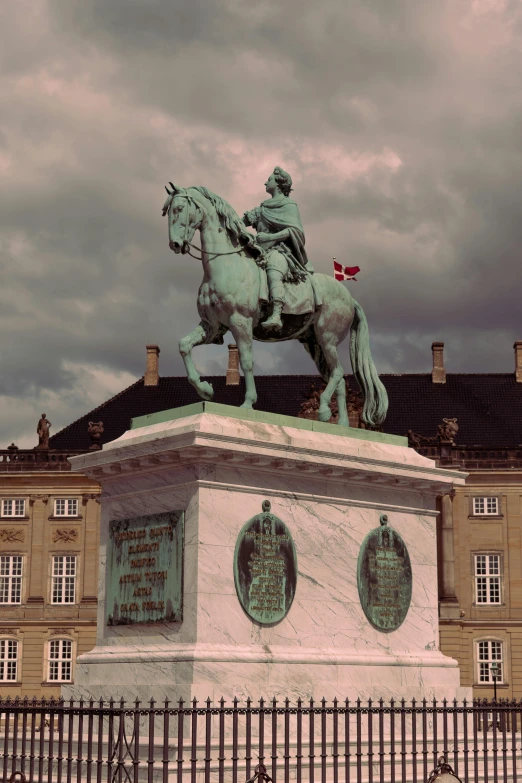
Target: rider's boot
277	296
274	322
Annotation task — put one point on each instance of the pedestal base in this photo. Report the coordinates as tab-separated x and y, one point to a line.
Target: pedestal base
329	485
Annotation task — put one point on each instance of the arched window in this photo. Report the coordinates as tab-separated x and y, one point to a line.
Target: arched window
490	651
8	660
60	660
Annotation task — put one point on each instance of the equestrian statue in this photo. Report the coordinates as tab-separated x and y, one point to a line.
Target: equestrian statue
263	287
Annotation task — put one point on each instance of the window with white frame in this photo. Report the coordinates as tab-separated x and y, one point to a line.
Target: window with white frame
487	579
486	506
13	507
10	579
63	579
66	507
8	660
60	660
488	653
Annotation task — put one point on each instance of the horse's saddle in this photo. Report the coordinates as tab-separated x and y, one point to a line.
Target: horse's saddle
299	297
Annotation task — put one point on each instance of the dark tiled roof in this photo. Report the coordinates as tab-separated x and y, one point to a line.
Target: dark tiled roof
488	407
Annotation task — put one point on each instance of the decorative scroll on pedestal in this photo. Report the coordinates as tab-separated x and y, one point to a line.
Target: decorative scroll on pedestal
265	568
144	569
384	577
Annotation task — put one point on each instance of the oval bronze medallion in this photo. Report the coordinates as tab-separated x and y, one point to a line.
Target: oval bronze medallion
265	568
384	578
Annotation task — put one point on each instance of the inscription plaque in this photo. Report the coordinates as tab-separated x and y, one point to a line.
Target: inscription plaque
145	569
265	568
384	577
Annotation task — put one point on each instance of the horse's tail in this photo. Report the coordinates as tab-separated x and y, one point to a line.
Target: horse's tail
375	395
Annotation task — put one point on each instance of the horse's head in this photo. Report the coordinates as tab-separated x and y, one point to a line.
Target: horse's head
184	216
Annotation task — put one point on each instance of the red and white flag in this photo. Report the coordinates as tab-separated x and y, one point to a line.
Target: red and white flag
345	272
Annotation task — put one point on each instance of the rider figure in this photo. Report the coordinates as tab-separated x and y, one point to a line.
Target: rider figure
280	233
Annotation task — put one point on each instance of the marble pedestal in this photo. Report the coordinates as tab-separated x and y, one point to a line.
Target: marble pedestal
329	485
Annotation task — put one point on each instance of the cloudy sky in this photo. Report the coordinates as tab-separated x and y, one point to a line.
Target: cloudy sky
400	122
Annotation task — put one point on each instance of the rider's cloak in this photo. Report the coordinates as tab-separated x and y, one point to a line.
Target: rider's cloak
277	214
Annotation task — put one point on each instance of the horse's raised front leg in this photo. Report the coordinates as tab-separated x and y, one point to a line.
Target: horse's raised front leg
202	334
241	329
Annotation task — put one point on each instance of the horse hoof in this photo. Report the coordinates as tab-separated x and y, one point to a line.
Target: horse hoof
205	390
247	405
324	414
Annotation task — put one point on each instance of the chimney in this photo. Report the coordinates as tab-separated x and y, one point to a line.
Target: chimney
518	361
151	376
233	366
438	374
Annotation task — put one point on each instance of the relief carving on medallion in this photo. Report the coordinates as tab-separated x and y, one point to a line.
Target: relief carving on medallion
11	535
65	535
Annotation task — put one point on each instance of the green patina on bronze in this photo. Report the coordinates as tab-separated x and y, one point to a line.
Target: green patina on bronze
263	287
384	577
145	569
265	568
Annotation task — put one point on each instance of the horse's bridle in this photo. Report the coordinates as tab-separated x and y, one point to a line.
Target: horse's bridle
185	241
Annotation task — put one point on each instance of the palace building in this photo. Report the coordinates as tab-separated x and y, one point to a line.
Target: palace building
49	532
471	422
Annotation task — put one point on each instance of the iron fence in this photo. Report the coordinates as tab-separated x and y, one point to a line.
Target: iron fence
55	741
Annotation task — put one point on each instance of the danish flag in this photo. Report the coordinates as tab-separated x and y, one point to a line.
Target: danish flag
345	272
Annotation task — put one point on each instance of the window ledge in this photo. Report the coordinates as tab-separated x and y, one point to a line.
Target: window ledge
54	518
500	685
25	518
486	516
10	683
56	683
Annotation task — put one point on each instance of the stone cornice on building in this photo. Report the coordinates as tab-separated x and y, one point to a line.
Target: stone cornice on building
31	460
473	458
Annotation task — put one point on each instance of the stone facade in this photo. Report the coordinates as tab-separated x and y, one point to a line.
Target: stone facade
49	522
480	571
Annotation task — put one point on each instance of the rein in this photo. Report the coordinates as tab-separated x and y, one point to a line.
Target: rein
210	257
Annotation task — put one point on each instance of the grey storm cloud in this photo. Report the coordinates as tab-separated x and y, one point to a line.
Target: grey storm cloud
400	122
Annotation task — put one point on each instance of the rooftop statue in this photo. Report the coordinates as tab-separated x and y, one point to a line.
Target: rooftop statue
42	431
263	287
